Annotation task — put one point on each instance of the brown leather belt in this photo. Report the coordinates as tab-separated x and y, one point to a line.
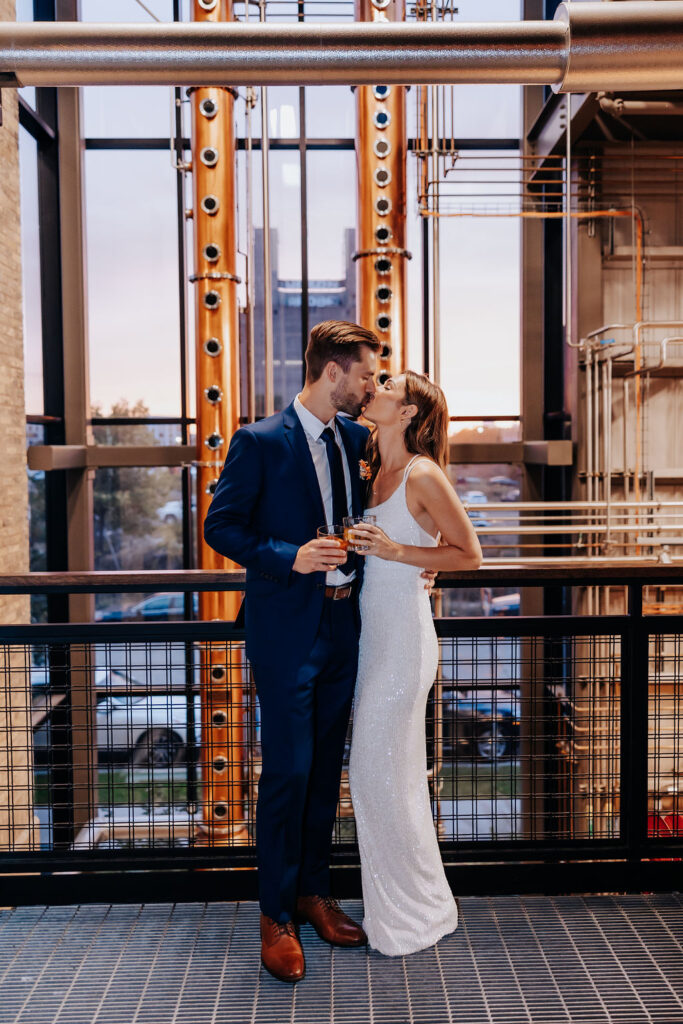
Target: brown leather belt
339	593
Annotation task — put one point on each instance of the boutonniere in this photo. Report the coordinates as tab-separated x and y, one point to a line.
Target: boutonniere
364	469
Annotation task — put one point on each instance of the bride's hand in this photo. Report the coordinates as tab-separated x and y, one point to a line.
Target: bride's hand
429	575
371	540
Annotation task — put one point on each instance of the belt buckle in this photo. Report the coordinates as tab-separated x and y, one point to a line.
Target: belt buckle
338	596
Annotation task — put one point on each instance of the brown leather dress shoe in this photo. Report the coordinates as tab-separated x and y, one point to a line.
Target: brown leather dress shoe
281	952
330	921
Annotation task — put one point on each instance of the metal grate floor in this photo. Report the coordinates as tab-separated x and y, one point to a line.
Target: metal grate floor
532	960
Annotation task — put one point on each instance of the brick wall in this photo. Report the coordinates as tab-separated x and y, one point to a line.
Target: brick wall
16	815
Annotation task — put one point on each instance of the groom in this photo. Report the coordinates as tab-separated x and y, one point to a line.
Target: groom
283	478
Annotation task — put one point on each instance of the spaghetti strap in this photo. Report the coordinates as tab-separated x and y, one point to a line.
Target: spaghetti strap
409	466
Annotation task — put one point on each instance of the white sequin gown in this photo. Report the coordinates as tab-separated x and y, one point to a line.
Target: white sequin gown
408	903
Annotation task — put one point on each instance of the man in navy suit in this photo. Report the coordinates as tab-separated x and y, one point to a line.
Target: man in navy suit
283	478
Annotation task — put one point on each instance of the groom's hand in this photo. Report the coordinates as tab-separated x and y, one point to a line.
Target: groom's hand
430	576
319	556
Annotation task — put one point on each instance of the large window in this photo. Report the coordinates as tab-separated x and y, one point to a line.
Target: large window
30	271
141	303
132	280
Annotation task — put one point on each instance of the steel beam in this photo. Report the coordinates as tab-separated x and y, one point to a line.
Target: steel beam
630	45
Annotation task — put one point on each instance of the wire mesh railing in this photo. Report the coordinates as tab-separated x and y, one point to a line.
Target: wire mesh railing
548	738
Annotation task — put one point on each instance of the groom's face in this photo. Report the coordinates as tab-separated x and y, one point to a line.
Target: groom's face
353	390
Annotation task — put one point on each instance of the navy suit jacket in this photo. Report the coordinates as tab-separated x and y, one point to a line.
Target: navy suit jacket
267	503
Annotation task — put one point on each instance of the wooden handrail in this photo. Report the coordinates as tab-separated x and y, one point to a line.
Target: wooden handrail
574	572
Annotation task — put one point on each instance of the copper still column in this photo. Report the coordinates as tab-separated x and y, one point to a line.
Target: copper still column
381	149
217	360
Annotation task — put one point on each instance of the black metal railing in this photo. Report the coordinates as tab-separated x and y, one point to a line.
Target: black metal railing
555	746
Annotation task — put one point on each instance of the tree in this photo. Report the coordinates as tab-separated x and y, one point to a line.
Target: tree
129	532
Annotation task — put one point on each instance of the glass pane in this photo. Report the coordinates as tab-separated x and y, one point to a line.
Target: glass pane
127	111
138	433
330	112
285	251
414	275
35	434
480	485
137	525
126	10
132	278
331	235
480	287
283	112
487	111
30	271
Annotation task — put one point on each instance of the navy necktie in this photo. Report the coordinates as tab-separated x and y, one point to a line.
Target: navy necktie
339	505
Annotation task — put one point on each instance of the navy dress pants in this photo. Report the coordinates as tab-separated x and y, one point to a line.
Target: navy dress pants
304	718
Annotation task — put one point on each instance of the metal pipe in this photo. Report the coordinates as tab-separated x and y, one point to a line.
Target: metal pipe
617	106
588	47
568	333
436	252
515	528
78	53
663	345
607	443
625	416
630	29
589	426
250	101
269	389
556	506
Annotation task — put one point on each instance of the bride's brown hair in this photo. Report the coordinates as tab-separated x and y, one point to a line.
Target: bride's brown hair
427	432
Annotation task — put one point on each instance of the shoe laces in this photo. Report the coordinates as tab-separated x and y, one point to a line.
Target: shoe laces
331	904
287	929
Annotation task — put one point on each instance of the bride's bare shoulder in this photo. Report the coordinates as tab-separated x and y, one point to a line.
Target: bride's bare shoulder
425	468
427	477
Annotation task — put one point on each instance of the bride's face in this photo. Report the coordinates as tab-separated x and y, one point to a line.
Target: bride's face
387	408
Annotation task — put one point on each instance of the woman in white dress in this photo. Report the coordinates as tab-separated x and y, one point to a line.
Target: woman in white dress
420	524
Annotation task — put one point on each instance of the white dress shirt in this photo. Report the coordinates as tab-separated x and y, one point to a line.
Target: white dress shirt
313	428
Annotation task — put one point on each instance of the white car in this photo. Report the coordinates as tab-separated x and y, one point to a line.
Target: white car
474	498
171	512
153	730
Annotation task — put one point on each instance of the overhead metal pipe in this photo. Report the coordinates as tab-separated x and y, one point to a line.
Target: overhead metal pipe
589	46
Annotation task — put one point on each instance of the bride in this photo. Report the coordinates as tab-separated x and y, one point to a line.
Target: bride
420	524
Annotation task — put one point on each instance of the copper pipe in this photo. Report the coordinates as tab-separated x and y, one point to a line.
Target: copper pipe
217	360
381	153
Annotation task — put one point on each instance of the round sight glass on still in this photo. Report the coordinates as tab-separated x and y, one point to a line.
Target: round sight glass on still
349	523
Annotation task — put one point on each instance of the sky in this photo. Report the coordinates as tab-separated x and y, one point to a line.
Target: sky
131	237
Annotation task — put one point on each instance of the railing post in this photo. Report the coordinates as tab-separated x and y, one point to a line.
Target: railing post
634	726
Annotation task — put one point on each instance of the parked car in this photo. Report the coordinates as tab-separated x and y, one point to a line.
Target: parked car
172	511
481	726
157	606
501	604
474	498
142	731
149	731
477	520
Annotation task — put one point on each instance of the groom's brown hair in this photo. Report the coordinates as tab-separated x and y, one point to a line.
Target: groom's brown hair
337	341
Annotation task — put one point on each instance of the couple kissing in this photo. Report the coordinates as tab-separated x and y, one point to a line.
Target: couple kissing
323	623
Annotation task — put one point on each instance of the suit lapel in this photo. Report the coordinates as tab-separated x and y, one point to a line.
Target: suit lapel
296	437
354	471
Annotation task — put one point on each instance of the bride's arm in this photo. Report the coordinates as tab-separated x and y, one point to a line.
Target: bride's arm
432	492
